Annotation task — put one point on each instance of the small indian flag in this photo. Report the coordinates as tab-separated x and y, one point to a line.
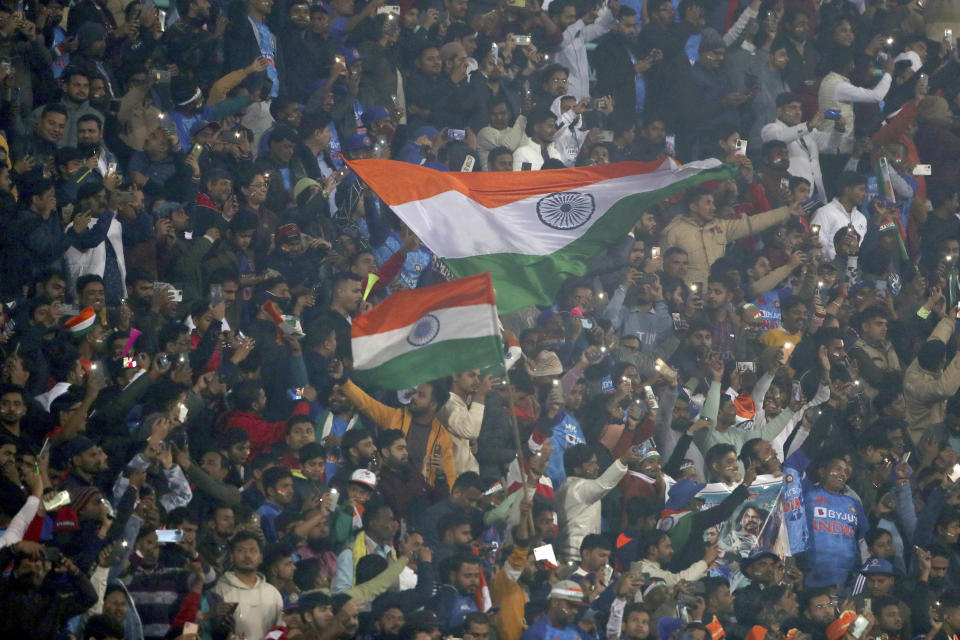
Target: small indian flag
530	229
420	335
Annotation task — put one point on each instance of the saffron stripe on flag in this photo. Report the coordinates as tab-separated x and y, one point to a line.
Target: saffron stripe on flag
406	307
468	322
401	182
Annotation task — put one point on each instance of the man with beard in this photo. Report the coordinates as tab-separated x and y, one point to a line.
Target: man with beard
39	597
457	597
564	605
260	605
214	539
499	132
773	175
464	496
620	72
376	537
403	487
87	460
356	451
718	300
330	427
13	409
817	611
429	445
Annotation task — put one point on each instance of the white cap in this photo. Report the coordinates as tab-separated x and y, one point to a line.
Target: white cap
365	477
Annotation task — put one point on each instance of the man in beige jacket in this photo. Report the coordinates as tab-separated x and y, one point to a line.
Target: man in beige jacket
927	384
705	237
462	415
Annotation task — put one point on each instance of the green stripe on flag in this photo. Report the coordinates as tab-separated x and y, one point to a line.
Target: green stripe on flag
433	361
520	280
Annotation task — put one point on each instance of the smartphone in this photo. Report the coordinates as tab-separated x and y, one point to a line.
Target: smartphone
740	148
468	163
787	350
670	144
905	458
161	75
746	366
196	151
176	295
495	52
797	391
586	323
526	166
296	394
785	183
815	229
58	500
182	413
437	450
169	535
456	134
831	114
522	41
858	627
162	19
954	474
45	448
948	36
339	60
923	170
654	253
130	363
334	497
389	8
216	294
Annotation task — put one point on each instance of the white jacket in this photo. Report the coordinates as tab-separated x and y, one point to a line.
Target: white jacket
804	147
511	138
530	152
832	217
81	263
572	52
578	502
463	423
569	137
260	608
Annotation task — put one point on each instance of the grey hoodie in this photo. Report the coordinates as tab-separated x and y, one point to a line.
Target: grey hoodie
260	607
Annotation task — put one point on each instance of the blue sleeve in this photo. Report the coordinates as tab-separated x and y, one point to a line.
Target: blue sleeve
923	533
92	236
343	579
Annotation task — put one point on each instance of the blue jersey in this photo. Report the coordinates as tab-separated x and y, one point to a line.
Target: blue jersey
566	433
836	524
543	630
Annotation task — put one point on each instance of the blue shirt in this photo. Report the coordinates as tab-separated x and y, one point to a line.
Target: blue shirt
566	433
836	525
268	519
267	44
543	630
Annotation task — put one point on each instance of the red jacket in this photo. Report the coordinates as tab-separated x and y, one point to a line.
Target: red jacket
263	434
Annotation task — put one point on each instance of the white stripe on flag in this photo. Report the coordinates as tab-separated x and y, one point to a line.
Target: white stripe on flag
471	321
454	226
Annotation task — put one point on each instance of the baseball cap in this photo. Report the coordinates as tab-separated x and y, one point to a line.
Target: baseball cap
568	590
365	477
878	566
681	493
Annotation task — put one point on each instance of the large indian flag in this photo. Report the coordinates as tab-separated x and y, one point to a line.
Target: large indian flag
420	335
530	229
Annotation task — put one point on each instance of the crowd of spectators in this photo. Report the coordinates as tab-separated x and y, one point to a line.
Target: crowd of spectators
184	452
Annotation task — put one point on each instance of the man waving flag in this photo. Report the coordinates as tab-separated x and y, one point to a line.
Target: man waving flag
530	229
